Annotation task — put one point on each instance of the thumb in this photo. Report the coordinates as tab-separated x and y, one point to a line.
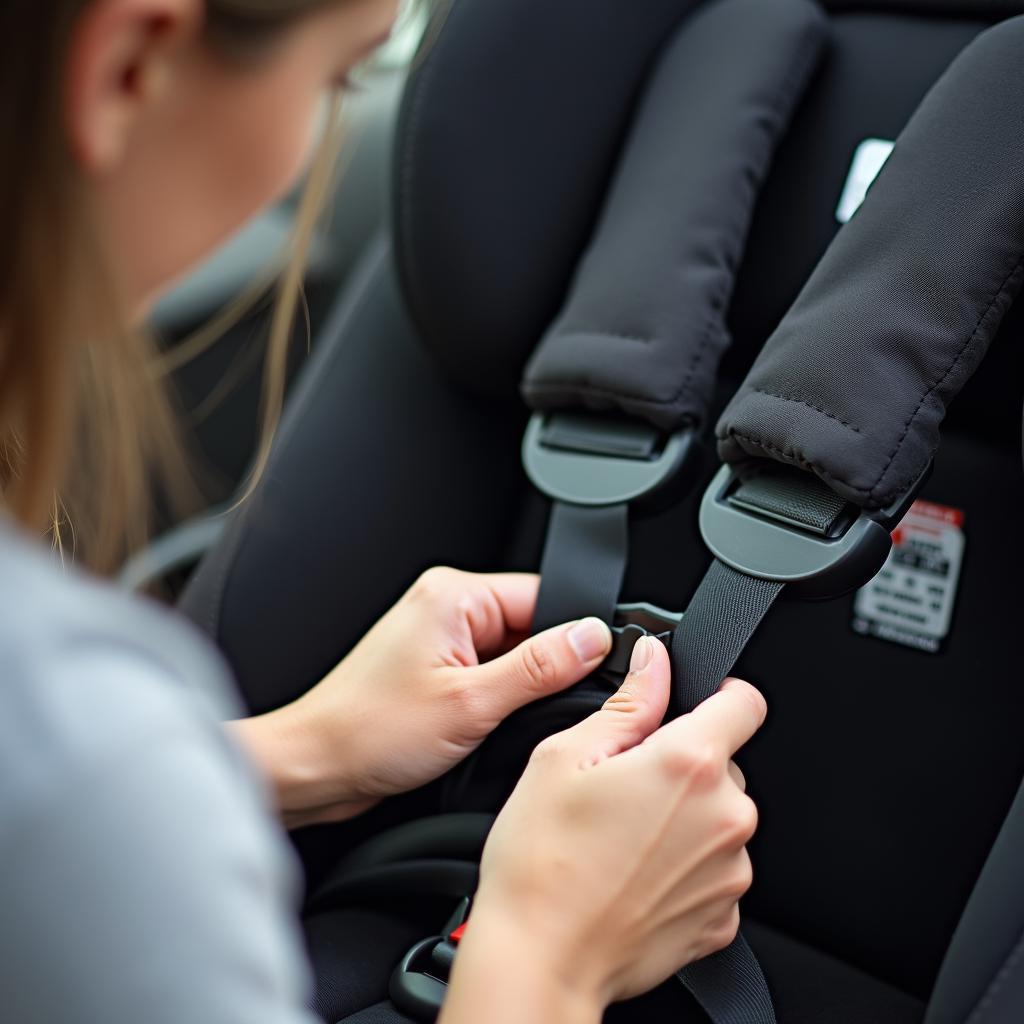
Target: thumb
635	710
546	663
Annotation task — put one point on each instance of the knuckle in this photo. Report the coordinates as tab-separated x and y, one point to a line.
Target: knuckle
708	764
539	665
725	931
739	820
699	763
739	879
549	750
465	701
434	582
746	818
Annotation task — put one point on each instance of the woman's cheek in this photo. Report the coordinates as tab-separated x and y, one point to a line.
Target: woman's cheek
283	131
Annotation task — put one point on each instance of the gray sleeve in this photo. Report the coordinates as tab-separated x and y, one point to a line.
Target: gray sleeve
140	877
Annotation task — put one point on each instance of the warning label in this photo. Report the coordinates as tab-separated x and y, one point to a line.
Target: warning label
911	599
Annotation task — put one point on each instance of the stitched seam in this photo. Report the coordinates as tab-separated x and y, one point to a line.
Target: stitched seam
792	455
997	983
809	405
896	489
595	391
583	333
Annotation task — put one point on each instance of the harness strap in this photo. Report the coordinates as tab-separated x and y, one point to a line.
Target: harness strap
584	563
730	986
726	609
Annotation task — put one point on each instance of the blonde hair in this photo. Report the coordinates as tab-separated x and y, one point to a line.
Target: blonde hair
87	430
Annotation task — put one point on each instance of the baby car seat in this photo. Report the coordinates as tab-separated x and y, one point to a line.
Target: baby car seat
893	753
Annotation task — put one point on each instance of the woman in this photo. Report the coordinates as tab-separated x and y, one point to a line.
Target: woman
140	875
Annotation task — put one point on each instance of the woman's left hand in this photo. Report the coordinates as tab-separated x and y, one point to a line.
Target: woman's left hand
421	691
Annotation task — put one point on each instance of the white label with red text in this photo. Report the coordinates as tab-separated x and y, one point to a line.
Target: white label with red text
911	599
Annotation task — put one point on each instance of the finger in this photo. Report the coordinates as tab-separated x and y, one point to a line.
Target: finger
737	776
726	720
634	711
484	610
514	597
542	665
516	593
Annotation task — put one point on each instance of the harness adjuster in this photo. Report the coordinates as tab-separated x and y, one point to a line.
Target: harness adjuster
590	460
791	528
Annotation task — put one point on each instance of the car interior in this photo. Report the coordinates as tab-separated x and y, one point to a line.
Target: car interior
480	172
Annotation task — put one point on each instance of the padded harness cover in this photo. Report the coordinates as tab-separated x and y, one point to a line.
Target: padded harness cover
644	326
900	311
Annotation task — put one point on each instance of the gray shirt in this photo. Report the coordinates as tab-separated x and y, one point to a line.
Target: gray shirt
141	875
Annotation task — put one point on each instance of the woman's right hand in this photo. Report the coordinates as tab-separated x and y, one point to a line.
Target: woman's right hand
620	857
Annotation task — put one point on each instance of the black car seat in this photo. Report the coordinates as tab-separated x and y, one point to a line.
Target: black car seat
885	772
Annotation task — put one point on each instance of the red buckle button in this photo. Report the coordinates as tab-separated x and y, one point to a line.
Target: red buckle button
458	933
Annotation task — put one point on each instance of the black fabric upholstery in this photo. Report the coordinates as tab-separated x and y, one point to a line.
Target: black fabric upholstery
373	430
1004	998
986	955
856	379
644	325
809	987
353	953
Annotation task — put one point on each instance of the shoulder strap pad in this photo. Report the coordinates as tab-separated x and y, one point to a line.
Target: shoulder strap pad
644	326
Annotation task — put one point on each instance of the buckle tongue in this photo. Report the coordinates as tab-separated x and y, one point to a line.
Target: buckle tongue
631	622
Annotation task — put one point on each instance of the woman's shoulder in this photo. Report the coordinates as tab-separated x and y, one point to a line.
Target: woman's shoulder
125	809
89	672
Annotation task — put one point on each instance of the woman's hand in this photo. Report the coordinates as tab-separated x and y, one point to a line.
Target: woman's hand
619	858
425	686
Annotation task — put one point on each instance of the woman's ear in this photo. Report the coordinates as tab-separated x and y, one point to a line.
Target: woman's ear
121	57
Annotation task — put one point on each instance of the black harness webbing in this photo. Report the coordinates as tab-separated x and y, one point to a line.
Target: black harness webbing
584	563
730	986
726	609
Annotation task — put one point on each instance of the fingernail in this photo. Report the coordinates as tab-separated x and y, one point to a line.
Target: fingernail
590	639
642	654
